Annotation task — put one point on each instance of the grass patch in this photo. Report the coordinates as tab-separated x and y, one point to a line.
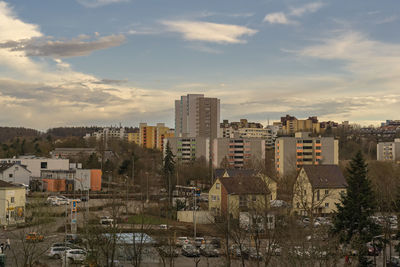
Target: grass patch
147	219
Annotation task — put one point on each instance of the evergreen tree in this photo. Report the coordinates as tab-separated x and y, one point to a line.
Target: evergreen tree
353	221
169	168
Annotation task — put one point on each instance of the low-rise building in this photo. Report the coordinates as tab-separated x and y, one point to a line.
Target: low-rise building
12	203
14	173
317	189
234	195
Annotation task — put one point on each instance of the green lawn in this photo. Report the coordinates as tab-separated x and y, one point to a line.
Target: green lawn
147	219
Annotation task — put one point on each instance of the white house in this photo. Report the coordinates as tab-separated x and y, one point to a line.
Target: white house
14	173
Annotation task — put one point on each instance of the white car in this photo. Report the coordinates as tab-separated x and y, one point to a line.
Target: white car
182	240
57	252
76	255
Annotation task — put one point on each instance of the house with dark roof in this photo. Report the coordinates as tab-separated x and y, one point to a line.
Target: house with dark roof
234	195
14	173
12	203
218	173
317	189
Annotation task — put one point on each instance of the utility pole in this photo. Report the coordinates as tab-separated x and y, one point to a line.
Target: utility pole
194	213
147	195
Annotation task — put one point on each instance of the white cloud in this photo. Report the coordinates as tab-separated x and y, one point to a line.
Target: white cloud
283	18
308	8
209	32
76	47
278	18
99	3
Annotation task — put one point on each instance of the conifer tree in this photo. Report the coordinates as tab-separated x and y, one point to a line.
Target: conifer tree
353	221
169	168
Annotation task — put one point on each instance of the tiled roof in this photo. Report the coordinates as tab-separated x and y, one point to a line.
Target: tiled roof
325	176
5	166
244	185
218	173
6	184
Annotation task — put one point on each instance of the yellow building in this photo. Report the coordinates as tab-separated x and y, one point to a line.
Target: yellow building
153	136
12	203
291	125
234	195
133	138
317	189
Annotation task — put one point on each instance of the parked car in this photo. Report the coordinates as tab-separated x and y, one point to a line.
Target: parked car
57	252
163	226
168	252
254	254
34	237
106	221
274	249
216	242
208	250
373	250
189	250
394	261
182	240
198	241
73	238
239	253
76	255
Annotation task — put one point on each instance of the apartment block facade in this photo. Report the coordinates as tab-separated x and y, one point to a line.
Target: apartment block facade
388	151
187	149
237	152
291	153
153	136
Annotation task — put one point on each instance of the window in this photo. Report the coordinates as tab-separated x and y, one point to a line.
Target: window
326	205
298	205
317	195
305	192
43	165
253	198
326	192
10	175
217	186
213	198
12	199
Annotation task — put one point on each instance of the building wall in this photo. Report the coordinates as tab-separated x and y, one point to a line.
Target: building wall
95	180
16	174
54	185
187	149
82	179
15	205
133	138
291	153
327	196
202	216
389	151
237	151
35	164
215	197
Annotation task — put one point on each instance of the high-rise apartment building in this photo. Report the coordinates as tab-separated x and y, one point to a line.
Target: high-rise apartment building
187	149
153	136
388	151
196	115
291	153
237	152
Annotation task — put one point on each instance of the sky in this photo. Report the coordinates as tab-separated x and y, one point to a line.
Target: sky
105	62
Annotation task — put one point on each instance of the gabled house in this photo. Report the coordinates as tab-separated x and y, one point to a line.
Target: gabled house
317	189
218	173
234	195
14	173
12	203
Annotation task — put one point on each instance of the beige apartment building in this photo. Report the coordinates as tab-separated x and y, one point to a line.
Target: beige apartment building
187	149
292	153
317	189
237	152
388	151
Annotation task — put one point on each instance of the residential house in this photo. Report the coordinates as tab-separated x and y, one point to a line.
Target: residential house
14	173
234	195
12	203
317	189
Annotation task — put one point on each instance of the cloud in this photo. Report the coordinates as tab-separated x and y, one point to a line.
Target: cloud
99	3
278	18
209	32
283	18
48	48
308	8
387	20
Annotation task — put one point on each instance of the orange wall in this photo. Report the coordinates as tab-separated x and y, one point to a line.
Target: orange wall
95	180
54	185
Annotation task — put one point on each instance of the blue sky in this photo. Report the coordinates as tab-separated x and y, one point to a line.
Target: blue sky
101	62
